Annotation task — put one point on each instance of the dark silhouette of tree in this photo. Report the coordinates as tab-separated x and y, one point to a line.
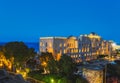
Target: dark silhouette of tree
66	65
53	66
19	51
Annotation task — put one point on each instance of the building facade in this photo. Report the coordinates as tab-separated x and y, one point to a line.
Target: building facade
84	47
54	45
89	47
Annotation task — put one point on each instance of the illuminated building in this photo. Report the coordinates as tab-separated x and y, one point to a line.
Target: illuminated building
93	73
115	46
54	45
90	46
57	45
84	47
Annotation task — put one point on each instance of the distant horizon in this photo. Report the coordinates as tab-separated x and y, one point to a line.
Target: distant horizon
34	45
28	41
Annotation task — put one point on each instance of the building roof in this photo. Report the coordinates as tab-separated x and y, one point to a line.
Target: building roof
53	37
91	35
71	37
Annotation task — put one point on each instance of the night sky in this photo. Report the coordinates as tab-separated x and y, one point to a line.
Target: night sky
28	20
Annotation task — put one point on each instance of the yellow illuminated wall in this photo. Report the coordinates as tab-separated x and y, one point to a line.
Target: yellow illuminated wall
89	46
93	76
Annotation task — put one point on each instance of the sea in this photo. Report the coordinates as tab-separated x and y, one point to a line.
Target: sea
34	45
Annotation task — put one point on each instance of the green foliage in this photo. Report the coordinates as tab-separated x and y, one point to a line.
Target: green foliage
60	71
50	78
45	57
36	75
78	81
53	66
19	51
81	80
56	78
64	80
113	69
66	65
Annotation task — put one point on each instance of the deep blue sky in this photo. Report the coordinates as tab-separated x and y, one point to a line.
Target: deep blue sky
27	20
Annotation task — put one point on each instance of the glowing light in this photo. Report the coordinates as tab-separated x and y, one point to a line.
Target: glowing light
114	44
52	80
17	70
1	64
23	73
27	70
44	64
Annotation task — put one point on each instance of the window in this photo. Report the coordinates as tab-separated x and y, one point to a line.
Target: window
79	55
46	44
87	49
64	51
79	50
40	43
64	45
60	45
71	50
50	45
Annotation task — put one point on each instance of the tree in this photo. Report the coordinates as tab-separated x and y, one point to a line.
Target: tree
66	65
64	80
53	66
81	80
19	51
44	59
46	56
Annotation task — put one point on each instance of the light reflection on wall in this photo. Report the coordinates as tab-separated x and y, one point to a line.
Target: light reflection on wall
93	75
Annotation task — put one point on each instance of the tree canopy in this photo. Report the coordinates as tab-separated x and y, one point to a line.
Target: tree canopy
59	71
66	65
18	50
